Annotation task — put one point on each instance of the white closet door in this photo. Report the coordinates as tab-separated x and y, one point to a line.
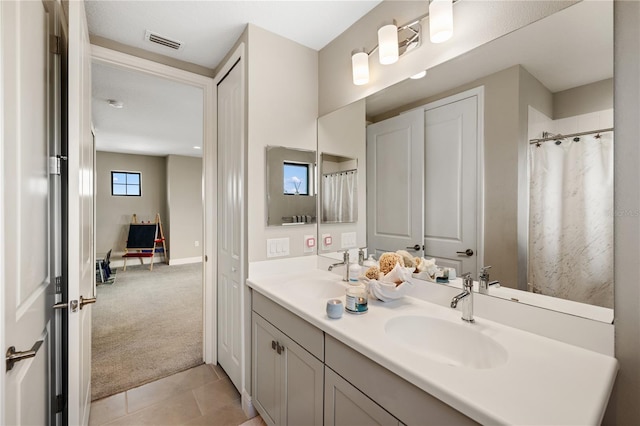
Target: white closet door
395	154
230	224
450	191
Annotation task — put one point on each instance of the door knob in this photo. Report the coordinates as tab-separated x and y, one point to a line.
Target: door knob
13	356
84	301
415	247
468	252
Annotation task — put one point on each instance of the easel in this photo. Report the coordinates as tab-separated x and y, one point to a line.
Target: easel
150	247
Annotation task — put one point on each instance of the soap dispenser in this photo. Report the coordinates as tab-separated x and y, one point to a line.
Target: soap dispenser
354	273
370	262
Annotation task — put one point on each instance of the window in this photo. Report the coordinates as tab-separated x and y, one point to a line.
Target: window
296	178
125	184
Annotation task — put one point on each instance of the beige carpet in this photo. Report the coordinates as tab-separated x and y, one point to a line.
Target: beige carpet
147	325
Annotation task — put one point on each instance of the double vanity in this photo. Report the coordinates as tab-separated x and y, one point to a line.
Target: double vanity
409	361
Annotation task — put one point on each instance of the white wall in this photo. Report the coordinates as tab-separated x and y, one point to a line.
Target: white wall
113	213
625	408
184	198
282	111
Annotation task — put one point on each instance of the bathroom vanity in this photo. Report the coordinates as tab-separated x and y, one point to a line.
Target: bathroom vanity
409	362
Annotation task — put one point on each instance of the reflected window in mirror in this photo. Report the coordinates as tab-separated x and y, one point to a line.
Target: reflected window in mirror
290	186
296	178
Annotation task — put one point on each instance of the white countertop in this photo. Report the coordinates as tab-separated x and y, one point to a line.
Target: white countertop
543	382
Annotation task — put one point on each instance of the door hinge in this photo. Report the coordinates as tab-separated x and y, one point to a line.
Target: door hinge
59	403
59	285
54	164
54	44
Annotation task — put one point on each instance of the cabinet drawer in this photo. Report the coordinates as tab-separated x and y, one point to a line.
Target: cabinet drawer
303	333
410	404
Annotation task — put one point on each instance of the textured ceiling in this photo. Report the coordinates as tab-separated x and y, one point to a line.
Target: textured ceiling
159	116
209	29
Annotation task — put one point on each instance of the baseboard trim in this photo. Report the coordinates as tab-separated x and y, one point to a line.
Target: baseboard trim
247	405
185	261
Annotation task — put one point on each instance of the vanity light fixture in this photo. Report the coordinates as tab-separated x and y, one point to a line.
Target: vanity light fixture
394	41
388	51
197	147
440	20
360	67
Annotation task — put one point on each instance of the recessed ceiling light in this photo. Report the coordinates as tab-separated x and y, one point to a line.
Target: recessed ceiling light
115	104
419	75
197	147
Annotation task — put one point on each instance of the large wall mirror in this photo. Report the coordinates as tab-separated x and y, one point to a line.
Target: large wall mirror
291	186
552	77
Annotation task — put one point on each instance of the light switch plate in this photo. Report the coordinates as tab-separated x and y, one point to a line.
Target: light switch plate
348	239
277	247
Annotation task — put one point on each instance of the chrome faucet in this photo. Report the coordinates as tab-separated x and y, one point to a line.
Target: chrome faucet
467	309
361	255
483	281
345	262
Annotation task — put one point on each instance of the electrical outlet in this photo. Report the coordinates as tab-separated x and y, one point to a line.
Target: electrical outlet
196	243
327	240
309	243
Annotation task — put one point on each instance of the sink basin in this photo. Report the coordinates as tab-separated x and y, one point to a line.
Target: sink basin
458	345
320	288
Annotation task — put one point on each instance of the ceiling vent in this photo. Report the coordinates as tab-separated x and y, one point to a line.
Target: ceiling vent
163	41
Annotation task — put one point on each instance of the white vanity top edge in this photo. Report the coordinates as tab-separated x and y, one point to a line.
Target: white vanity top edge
542	382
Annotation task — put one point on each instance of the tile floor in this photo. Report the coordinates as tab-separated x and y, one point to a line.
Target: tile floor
202	395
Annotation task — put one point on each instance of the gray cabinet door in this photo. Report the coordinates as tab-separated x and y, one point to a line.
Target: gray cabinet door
287	380
267	370
345	405
303	379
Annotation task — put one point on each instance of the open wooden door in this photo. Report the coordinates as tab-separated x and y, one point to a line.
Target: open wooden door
81	274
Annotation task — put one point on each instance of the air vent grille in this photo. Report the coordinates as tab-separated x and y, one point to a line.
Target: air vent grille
162	40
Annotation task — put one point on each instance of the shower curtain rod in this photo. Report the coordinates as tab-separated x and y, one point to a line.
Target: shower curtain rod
341	171
556	137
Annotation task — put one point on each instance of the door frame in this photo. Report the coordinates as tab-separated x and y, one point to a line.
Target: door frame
479	93
106	56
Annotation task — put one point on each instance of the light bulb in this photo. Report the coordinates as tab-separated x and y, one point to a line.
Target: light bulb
388	44
360	68
419	75
440	20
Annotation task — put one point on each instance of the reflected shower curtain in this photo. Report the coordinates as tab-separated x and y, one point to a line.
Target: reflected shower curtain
339	197
571	219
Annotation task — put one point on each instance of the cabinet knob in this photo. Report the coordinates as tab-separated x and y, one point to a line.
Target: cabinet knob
273	344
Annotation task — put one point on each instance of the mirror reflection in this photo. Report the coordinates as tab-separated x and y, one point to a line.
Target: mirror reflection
551	77
339	188
291	198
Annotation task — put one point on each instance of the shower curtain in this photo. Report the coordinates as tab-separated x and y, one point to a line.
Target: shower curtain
571	219
339	197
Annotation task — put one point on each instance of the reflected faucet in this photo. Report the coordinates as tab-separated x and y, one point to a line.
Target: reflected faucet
483	281
467	308
345	262
361	255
